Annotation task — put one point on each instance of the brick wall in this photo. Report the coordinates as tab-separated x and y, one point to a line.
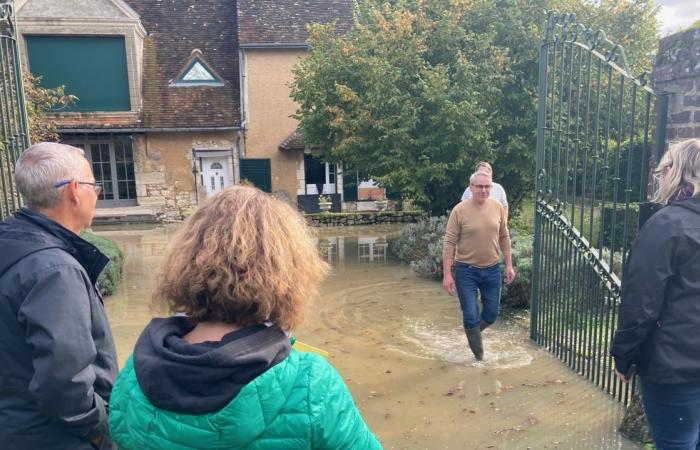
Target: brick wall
677	71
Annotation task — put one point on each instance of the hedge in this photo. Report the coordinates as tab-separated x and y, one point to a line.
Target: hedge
619	230
112	273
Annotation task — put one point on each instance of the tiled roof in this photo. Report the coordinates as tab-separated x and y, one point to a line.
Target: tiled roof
284	21
294	141
176	28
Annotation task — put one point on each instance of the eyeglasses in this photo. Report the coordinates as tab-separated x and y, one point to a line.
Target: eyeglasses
97	187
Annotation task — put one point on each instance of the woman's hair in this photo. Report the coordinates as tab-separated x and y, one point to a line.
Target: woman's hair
679	169
242	258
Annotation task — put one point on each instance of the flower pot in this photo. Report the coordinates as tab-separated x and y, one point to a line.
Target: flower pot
325	206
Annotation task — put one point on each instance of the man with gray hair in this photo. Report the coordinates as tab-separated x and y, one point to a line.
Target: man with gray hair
476	230
57	355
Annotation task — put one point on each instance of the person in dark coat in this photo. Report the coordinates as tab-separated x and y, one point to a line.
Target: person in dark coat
658	333
57	355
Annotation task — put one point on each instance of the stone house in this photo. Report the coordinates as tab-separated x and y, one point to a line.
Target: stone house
272	38
157	81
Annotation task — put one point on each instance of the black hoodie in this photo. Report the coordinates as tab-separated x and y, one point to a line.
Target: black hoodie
659	322
57	356
202	378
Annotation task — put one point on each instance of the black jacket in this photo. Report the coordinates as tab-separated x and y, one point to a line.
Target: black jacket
659	323
57	356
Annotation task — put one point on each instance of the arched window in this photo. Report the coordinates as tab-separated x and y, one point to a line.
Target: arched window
216	166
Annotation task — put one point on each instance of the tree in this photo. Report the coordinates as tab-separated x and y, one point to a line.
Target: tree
419	90
407	97
40	102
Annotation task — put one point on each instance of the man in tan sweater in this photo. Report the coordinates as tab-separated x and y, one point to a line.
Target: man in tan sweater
476	230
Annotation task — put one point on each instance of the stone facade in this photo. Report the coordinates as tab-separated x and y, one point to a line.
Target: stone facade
677	72
268	109
163	164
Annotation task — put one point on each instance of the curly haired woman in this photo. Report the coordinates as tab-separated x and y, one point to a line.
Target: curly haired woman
221	373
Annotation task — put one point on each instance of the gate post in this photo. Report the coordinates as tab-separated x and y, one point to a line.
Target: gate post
662	99
539	176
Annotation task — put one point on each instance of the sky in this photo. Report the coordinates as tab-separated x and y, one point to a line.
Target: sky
675	15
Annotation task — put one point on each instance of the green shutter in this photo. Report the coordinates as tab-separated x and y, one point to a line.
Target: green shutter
258	172
93	68
350	186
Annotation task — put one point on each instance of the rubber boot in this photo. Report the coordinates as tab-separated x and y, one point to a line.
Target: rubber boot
475	344
484	325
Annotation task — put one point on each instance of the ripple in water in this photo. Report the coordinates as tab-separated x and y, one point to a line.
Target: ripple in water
416	318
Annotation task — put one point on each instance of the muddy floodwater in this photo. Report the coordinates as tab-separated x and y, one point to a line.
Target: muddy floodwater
396	339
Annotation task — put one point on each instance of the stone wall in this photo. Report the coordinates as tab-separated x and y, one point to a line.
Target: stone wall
677	71
368	218
163	168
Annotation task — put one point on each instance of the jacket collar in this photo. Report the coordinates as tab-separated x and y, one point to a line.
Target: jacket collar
92	260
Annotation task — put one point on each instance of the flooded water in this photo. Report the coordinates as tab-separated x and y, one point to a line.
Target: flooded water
397	341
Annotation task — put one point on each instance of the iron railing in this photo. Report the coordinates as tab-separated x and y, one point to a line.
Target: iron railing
594	145
14	137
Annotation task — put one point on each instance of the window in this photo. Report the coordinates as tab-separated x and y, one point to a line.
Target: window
197	73
93	68
112	160
216	166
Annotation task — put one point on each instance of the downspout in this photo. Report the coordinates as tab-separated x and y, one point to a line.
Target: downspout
194	177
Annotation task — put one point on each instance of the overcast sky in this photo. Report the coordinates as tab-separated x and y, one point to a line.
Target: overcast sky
677	14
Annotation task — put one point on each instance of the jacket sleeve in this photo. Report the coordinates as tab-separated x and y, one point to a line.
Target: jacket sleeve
648	270
56	315
336	422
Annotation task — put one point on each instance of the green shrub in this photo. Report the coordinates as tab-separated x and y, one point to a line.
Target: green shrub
518	294
619	231
420	245
112	273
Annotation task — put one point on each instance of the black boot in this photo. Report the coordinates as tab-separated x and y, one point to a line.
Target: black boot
484	325
475	344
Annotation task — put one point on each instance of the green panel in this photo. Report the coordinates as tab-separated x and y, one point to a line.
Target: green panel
93	68
257	171
350	186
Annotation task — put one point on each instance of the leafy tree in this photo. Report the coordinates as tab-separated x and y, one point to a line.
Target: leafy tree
408	97
40	102
420	90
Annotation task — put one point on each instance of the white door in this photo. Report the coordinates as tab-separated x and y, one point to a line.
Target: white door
215	174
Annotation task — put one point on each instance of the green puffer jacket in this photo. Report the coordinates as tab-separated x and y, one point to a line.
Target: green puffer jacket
300	403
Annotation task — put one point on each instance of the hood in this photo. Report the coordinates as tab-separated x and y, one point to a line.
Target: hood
692	204
202	378
29	232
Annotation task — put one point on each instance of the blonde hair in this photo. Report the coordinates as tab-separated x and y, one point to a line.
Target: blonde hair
242	258
481	164
679	169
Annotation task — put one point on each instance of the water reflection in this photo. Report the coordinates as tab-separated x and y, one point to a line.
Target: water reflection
337	250
396	338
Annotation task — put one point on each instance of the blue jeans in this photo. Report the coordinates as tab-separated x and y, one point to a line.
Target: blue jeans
469	279
673	413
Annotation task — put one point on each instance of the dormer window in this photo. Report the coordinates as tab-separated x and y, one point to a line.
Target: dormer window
197	72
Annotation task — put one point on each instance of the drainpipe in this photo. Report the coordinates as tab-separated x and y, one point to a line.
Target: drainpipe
194	177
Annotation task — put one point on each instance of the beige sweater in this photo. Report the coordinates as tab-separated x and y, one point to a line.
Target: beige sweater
476	233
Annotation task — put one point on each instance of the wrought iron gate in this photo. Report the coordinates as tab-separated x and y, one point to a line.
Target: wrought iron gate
14	136
594	150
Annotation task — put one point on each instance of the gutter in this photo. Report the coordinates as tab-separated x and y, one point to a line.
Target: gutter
146	130
274	45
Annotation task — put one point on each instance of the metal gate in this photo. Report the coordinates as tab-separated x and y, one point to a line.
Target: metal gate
14	137
594	150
